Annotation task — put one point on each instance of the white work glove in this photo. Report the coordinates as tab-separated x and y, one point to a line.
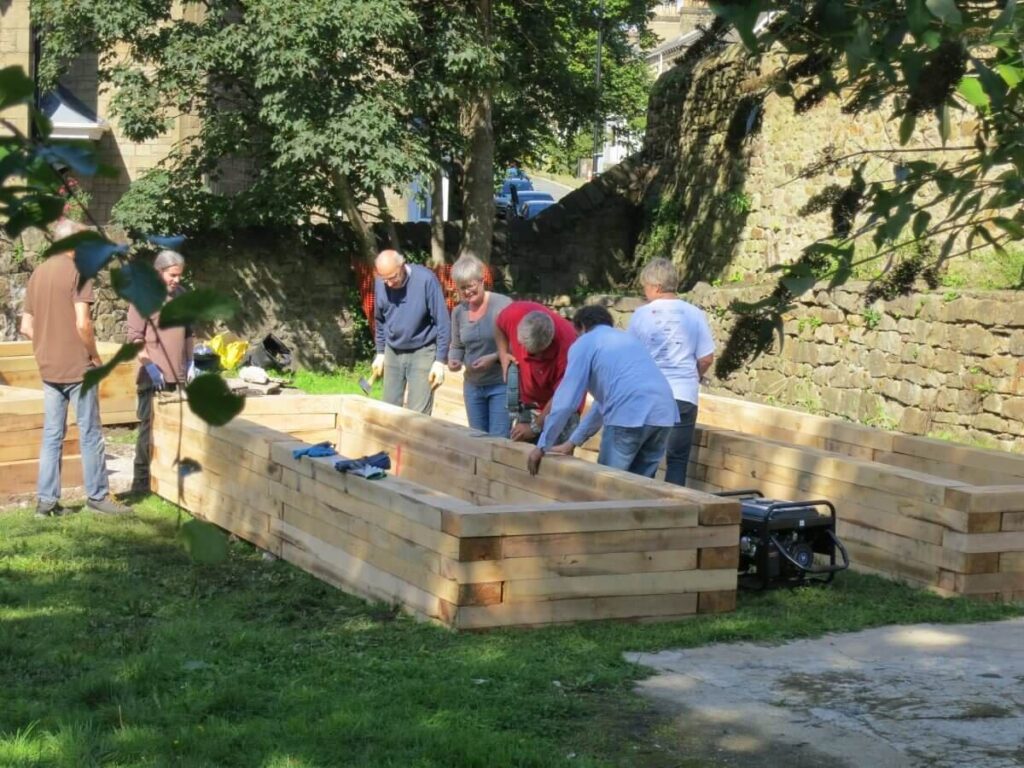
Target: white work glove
377	366
156	376
190	373
436	375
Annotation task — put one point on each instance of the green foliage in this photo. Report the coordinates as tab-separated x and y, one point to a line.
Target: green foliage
931	60
118	658
872	317
37	199
301	104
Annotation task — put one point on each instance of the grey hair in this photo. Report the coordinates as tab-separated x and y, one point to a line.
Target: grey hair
536	331
467	269
67	227
660	273
167	259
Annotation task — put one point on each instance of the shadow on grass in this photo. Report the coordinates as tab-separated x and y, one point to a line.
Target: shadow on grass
114	649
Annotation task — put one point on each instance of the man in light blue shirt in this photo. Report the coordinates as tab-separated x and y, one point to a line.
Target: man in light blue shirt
632	399
677	335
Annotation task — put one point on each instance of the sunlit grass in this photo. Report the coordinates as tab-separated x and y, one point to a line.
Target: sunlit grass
115	650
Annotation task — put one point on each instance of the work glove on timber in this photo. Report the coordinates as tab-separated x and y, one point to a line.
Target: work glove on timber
315	451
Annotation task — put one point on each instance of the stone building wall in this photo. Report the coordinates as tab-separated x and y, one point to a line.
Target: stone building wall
16	50
940	363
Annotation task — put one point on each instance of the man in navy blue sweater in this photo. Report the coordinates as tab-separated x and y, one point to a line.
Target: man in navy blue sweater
413	332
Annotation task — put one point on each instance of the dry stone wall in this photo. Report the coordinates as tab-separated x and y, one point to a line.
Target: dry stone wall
731	193
944	364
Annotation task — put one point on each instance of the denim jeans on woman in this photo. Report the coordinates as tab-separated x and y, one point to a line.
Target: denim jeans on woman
90	437
634	449
487	408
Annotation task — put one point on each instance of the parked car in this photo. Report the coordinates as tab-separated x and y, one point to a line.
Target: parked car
531	208
504	198
530	195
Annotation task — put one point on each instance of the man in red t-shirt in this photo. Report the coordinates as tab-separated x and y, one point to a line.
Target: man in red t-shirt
538	340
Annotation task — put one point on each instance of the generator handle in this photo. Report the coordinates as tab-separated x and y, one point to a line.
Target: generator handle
784	505
750	492
814	570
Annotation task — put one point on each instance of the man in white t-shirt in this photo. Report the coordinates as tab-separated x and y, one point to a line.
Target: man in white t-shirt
677	335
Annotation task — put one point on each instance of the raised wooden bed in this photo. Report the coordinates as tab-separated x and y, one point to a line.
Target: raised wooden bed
21	434
936	514
117	391
459	532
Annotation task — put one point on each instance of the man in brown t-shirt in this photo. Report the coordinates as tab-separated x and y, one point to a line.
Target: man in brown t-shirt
57	320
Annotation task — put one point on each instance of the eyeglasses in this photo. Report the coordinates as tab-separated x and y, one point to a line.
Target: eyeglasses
394	277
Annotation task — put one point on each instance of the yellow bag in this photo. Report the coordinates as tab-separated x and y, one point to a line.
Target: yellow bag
230	349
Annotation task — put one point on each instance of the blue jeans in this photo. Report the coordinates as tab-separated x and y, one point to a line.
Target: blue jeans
90	435
487	408
677	455
409	369
634	449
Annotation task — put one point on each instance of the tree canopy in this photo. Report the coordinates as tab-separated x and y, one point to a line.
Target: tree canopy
309	108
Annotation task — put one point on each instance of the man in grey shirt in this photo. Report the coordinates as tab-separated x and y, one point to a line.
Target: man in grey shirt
483	388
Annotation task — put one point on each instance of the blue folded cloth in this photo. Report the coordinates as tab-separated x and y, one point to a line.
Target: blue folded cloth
368	466
325	448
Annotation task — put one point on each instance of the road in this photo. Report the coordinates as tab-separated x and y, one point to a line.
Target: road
553	188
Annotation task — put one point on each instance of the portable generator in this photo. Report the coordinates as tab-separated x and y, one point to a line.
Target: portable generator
787	543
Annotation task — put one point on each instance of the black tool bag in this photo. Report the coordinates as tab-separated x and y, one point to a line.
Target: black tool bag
270	354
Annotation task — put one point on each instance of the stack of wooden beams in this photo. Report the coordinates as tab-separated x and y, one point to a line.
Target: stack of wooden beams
459	532
21	435
945	516
936	514
117	391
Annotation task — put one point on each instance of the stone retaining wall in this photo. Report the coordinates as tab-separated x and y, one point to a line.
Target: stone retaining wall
944	364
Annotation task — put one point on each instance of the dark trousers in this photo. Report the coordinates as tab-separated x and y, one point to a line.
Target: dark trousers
144	443
680	440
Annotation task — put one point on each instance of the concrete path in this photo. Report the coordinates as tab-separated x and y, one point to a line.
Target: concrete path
922	695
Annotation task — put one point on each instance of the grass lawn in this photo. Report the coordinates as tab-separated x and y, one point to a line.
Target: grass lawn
116	651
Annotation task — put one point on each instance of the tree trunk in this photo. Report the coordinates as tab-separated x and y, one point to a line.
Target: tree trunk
437	255
478	187
386	217
365	239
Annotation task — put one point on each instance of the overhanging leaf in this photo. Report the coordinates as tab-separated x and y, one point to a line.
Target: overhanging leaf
798	284
917	18
970	88
198	306
15	87
1012	227
743	16
141	285
212	401
171	242
33	211
93	255
945	10
72	242
945	124
907	127
81	160
1005	18
95	375
205	543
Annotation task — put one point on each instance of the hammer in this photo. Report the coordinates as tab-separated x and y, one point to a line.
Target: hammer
365	385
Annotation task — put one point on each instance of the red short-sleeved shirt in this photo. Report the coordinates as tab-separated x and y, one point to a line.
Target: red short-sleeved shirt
539	375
